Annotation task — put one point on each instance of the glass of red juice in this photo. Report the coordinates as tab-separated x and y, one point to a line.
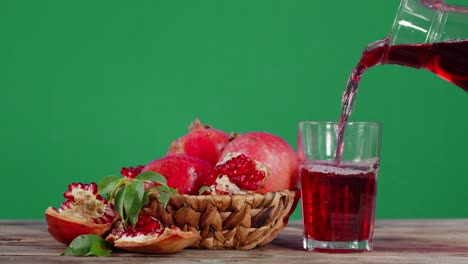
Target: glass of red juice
338	190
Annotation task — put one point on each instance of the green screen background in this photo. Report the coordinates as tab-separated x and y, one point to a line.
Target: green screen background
87	87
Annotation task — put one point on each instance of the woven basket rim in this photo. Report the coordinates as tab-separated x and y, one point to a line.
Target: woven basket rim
234	195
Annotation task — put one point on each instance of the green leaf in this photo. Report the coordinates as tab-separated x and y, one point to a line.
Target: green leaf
119	202
152	176
88	245
107	185
133	200
174	191
145	199
204	189
165	188
164	198
97	249
134	217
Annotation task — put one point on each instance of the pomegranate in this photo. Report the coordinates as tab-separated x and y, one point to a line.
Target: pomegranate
202	141
150	236
185	173
83	212
255	162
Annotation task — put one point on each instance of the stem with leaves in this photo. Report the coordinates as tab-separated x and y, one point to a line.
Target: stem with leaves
129	195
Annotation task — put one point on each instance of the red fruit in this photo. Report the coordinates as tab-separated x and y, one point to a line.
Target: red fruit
201	142
187	174
84	212
150	236
131	172
255	161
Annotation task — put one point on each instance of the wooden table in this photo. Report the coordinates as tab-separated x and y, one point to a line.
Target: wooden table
396	241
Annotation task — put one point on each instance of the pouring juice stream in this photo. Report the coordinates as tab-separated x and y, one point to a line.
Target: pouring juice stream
426	34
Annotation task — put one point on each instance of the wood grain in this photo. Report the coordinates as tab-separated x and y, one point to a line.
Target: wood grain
396	241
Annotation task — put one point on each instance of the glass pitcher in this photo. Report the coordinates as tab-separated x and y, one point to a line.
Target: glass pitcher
427	34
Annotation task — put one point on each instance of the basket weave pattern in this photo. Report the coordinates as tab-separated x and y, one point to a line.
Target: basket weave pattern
228	221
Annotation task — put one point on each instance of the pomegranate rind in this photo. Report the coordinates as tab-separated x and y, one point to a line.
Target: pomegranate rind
185	173
170	241
196	144
65	230
202	142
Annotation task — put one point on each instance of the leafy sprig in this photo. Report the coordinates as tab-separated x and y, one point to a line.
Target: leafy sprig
129	195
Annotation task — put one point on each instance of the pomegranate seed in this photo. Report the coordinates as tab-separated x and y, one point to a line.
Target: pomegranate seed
146	225
109	213
131	172
241	171
93	188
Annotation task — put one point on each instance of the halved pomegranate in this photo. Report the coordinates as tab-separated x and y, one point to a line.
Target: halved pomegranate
150	236
255	162
83	212
203	142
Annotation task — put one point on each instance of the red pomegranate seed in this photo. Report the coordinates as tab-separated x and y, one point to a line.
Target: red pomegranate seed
131	172
145	225
241	171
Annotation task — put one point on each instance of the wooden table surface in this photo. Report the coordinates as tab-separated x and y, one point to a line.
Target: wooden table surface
395	241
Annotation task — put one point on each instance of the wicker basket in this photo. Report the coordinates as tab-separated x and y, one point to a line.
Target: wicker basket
228	221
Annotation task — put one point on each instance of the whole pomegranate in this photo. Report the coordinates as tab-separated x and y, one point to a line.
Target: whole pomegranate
150	236
257	161
187	174
202	142
83	212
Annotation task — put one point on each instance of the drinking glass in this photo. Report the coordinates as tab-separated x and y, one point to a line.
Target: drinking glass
338	196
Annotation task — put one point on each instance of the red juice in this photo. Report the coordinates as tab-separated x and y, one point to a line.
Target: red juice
338	201
448	60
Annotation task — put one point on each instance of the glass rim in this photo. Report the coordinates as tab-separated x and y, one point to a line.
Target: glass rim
338	122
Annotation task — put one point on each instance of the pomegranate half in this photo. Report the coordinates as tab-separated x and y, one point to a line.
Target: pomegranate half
83	212
150	236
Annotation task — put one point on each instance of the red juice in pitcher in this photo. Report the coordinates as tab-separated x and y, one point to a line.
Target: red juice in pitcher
448	60
338	201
